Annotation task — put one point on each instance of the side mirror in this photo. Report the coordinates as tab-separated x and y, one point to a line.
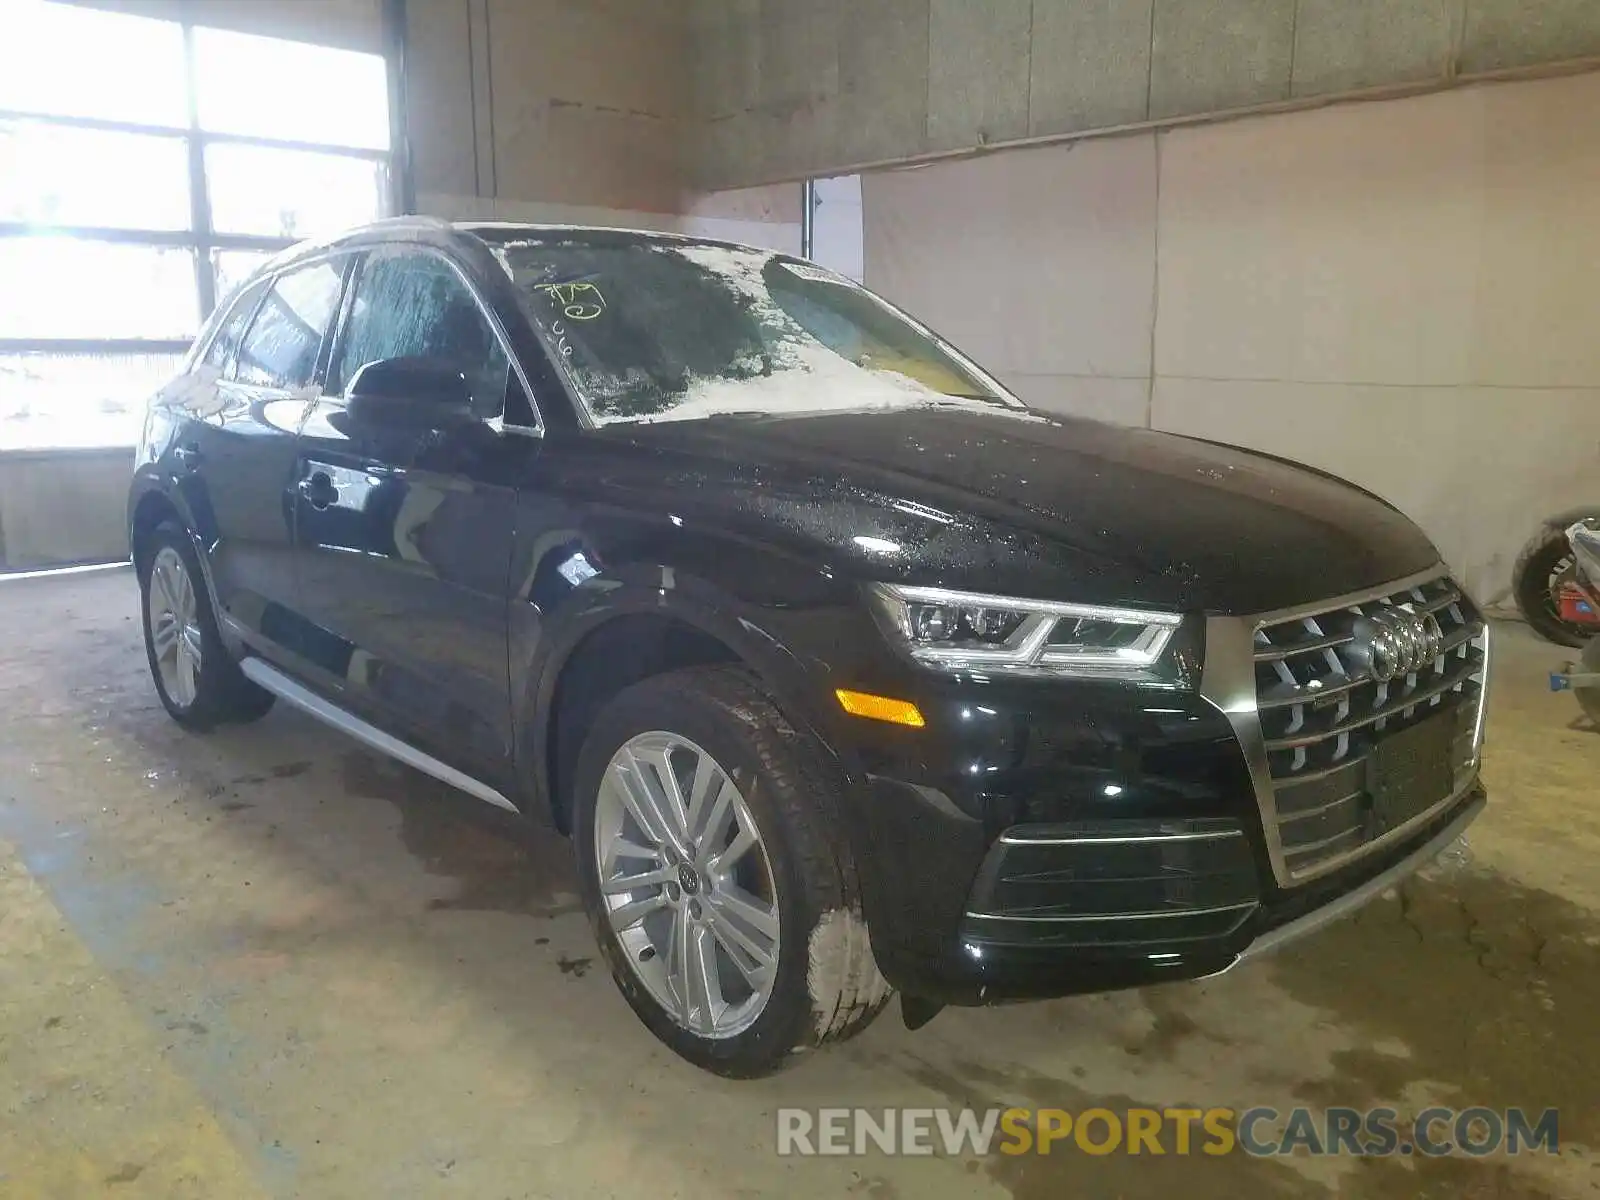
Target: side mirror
412	393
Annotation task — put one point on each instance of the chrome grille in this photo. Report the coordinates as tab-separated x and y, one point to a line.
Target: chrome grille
1323	714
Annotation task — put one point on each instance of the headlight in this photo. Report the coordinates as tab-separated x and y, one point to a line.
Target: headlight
972	632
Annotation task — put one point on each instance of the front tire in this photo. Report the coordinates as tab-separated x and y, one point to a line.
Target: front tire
716	873
196	678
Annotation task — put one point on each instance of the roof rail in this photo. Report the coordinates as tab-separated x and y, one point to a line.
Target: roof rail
413	221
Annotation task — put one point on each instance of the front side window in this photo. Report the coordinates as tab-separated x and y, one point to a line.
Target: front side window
281	348
414	305
655	329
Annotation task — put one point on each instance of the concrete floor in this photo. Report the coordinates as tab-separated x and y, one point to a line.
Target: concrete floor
268	963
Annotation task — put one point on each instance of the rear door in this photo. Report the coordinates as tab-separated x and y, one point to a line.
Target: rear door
404	534
236	456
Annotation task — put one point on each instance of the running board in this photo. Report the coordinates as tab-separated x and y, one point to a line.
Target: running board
265	675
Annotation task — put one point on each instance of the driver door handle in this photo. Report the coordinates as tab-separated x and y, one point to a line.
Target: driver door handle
318	490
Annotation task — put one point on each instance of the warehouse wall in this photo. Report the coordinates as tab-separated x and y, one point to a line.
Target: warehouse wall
1406	293
789	88
60	507
549	110
547	100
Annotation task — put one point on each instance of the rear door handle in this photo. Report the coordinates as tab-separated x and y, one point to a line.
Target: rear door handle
318	490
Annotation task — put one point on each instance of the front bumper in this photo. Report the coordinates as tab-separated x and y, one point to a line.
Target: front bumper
1044	838
1028	760
1180	901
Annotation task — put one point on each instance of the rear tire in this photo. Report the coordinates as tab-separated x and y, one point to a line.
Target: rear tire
797	868
1540	561
199	683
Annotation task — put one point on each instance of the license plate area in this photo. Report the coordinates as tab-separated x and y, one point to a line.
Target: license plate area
1411	770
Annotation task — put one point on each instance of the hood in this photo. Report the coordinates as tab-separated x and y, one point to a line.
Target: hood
1043	508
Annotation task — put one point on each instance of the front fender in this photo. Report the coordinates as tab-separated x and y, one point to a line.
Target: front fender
663	591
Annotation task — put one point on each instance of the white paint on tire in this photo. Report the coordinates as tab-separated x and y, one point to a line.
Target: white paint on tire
842	975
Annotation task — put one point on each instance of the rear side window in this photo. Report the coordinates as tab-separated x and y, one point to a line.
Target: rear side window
415	305
281	348
226	343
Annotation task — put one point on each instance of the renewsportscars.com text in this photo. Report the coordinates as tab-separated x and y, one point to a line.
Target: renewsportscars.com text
1259	1131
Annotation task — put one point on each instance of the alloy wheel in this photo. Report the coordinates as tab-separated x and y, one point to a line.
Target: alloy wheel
687	883
175	627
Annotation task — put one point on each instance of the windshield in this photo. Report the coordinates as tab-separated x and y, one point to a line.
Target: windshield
652	330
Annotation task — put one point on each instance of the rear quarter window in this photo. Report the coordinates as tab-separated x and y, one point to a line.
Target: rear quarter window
280	351
225	344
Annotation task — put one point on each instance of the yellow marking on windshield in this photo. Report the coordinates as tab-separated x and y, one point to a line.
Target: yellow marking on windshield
579	301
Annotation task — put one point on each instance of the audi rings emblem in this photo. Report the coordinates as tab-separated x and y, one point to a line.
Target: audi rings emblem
1396	640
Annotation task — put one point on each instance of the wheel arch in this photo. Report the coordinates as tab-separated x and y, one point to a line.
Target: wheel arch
153	507
150	511
622	641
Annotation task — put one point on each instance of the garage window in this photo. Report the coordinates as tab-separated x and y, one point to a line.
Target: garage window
147	167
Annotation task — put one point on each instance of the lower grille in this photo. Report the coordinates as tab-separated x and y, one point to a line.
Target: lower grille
1341	775
1114	883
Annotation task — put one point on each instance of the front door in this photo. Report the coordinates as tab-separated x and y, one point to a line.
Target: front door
404	532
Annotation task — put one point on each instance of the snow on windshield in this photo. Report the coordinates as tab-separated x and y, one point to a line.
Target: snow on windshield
659	330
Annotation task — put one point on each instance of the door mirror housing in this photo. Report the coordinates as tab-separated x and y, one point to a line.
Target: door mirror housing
409	392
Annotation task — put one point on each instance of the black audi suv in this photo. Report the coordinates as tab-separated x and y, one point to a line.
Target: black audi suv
846	672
